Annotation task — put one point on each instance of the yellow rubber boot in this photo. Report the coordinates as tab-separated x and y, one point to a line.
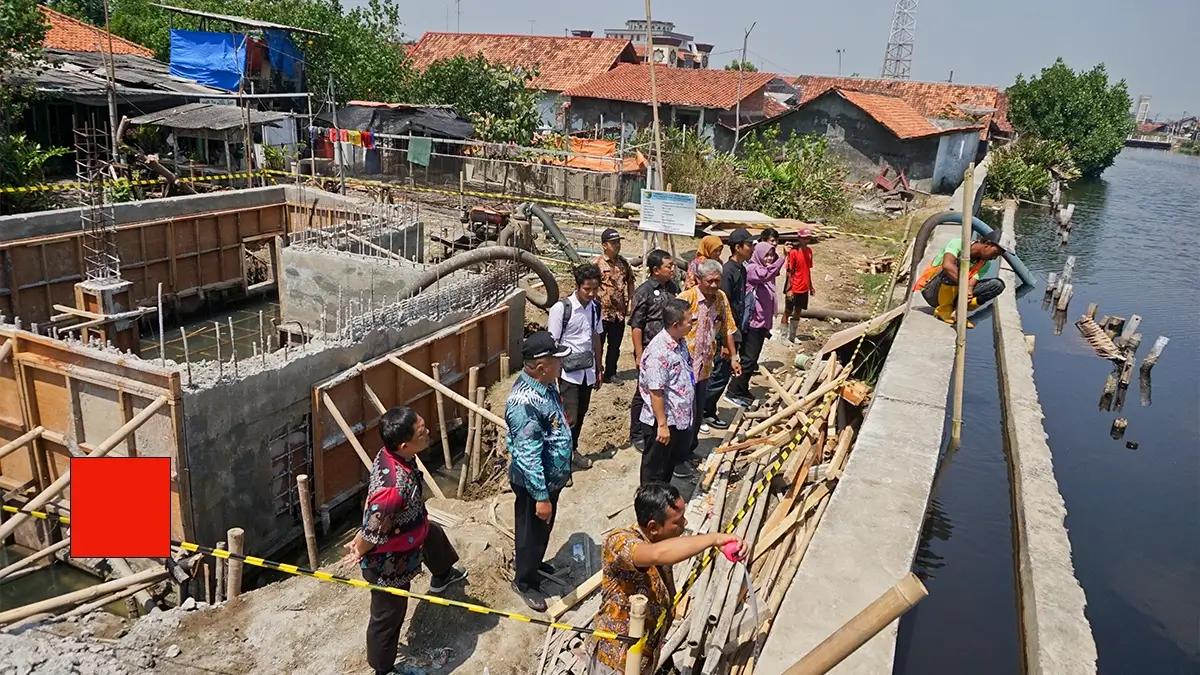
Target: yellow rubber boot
947	295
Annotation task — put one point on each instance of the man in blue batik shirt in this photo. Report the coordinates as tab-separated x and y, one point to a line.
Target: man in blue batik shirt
539	441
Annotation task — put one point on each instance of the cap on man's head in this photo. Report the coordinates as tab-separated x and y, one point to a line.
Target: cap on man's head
739	236
804	233
610	235
541	344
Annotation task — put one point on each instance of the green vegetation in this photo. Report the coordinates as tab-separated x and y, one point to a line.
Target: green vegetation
1024	169
21	160
495	98
741	65
796	179
1079	109
1190	147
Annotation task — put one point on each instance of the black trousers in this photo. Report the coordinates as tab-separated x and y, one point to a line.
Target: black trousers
698	405
387	610
614	332
576	399
716	385
752	345
985	290
532	537
660	459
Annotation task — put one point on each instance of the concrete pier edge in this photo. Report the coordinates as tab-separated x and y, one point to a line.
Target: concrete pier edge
1056	635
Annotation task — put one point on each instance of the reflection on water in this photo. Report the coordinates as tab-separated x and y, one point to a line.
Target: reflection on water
45	583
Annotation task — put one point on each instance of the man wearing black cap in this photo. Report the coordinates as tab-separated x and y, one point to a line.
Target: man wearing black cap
616	292
646	321
938	284
539	442
733	282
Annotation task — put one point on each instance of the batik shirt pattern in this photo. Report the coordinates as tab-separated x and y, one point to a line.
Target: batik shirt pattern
539	439
386	520
614	288
621	579
711	322
666	366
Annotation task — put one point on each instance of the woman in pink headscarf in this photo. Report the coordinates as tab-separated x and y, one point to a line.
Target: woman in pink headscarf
761	271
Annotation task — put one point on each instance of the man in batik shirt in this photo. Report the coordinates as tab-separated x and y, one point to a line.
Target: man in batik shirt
396	534
637	560
666	384
712	328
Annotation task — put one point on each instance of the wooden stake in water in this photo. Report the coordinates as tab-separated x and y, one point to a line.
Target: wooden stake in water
964	272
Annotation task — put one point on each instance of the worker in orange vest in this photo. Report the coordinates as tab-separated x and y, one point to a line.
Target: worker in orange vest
938	284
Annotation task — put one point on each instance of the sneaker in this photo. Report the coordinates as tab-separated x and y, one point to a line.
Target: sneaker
639	444
533	597
579	461
715	422
704	428
684	472
440	582
547	568
738	401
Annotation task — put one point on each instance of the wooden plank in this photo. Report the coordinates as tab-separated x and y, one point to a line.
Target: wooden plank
580	592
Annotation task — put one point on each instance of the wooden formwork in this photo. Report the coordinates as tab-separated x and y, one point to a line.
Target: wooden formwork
338	471
80	397
188	254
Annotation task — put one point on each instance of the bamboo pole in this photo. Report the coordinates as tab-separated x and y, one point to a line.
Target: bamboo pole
236	538
794	408
222	574
34	557
888	607
306	517
84	595
108	599
121	568
56	488
22	440
964	274
351	438
637	628
454	395
477	448
473	422
442	423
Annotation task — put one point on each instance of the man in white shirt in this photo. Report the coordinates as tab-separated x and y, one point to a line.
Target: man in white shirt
575	323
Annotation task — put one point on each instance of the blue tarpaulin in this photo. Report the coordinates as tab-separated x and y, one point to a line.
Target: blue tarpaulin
215	59
282	53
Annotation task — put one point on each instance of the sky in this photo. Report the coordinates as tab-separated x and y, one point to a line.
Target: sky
1152	44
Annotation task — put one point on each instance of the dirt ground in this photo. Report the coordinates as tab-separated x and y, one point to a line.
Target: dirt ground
305	626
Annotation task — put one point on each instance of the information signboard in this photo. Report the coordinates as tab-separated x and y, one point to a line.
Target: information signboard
668	212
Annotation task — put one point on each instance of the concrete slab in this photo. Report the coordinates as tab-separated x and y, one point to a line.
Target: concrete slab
869	535
1057	635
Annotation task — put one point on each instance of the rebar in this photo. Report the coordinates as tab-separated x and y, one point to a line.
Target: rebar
187	358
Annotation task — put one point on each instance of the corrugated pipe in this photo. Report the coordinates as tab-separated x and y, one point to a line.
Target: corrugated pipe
955	218
553	231
492	254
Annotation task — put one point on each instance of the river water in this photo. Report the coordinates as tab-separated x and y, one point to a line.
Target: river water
1133	514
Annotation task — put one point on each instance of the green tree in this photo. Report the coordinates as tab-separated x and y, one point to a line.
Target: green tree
496	99
21	33
91	11
741	65
1079	109
1025	168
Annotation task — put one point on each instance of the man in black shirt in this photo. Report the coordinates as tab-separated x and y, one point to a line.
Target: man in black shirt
733	282
646	319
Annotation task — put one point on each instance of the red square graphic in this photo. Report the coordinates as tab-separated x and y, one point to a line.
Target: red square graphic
120	507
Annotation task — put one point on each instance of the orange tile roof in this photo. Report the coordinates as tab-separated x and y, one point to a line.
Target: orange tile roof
930	99
676	86
562	62
71	34
772	107
894	113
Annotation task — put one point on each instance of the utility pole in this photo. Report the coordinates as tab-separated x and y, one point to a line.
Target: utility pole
111	87
737	107
337	145
840	51
457	16
658	162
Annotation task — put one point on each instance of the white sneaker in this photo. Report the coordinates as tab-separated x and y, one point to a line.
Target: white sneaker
705	428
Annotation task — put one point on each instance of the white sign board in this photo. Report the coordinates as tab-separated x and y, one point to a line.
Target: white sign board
668	212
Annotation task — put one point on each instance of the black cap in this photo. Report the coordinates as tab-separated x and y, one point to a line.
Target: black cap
610	235
541	344
993	237
739	236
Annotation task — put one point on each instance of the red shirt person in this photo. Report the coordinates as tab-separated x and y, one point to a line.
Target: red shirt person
799	281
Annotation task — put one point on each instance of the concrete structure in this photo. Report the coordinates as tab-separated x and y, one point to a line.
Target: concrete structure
1056	635
869	131
676	50
869	535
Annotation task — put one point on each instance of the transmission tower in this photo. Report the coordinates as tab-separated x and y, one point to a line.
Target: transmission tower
897	60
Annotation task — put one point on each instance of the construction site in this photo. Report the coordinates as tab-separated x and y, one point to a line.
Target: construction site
255	336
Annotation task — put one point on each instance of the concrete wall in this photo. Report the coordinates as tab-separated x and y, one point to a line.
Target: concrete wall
315	280
860	141
227	427
1056	635
955	151
867	539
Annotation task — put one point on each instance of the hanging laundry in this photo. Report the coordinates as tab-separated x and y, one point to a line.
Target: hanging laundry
368	140
344	135
419	149
333	136
355	138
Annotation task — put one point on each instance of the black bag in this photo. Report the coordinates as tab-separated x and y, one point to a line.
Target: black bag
577	360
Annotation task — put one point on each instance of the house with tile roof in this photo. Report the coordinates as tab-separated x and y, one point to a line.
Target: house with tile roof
870	131
690	98
560	63
70	34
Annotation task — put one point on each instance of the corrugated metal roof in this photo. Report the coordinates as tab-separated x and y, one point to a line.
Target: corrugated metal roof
207	116
239	20
80	76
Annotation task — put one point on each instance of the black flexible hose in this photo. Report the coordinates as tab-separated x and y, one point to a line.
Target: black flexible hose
553	231
492	254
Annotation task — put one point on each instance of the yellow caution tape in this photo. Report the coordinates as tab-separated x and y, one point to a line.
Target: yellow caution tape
453	193
297	570
123	182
